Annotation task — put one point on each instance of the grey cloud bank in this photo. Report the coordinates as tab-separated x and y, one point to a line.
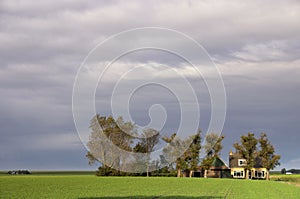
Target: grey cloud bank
256	46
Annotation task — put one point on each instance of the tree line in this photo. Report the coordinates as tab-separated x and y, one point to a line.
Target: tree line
185	153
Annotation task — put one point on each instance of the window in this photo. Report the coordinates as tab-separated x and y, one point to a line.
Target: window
242	162
259	174
238	174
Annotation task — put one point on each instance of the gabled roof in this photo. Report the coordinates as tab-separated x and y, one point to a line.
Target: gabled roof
233	160
234	157
218	162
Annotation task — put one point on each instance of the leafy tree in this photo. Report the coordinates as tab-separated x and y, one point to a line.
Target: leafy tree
267	153
166	168
194	152
150	138
91	158
214	144
247	149
174	151
186	152
106	138
283	171
213	149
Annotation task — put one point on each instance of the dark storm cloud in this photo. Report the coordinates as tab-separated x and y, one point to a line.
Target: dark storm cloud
255	45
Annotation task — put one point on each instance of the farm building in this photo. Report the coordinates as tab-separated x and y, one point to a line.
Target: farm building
219	169
238	164
236	169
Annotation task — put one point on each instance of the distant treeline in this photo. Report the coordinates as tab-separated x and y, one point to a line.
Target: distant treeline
54	172
294	171
18	172
163	172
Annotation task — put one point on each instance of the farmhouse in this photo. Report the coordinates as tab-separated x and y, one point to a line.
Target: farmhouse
238	167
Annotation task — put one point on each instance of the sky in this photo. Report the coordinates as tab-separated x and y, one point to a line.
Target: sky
255	46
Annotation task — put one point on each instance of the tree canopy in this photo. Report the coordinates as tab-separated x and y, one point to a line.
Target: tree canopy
247	149
109	135
213	149
265	152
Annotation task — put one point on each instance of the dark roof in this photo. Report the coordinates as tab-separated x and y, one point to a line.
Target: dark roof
234	157
233	160
219	163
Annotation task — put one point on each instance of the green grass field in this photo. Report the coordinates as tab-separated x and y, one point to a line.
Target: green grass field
90	186
292	179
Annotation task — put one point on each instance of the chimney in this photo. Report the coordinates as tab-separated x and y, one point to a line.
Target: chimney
230	159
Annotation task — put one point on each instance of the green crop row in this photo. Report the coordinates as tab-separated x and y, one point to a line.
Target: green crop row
89	186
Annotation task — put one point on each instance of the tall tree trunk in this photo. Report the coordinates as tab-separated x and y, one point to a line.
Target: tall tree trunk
205	173
268	175
178	173
247	174
191	173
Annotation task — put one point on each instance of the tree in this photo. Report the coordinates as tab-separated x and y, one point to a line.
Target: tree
106	139
283	171
267	153
194	152
150	138
185	152
213	149
139	164
247	149
91	158
174	150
